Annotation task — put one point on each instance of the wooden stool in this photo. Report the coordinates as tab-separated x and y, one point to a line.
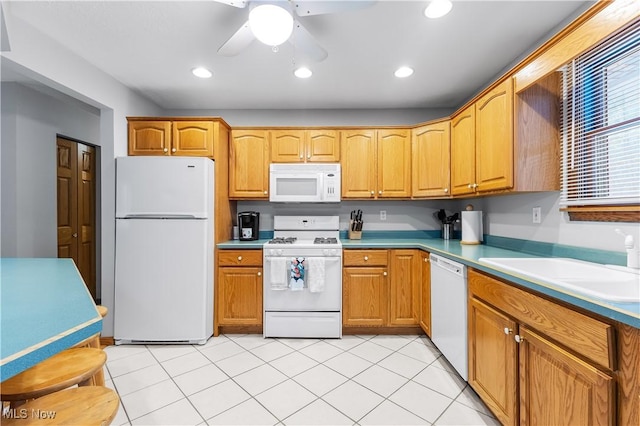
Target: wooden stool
91	405
70	367
94	342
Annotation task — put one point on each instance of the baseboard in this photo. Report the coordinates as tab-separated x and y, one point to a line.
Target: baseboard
107	341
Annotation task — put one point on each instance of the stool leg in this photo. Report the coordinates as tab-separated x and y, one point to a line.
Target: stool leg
98	378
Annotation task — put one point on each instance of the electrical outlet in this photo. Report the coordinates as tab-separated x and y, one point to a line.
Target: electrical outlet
383	215
537	215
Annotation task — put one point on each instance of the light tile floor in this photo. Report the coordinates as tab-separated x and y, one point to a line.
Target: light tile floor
249	380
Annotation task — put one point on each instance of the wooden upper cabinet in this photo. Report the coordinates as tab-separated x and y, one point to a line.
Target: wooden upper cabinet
249	164
394	163
322	146
358	158
463	152
494	138
305	146
149	137
430	160
193	138
172	137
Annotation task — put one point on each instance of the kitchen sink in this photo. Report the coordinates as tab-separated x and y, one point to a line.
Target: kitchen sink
607	282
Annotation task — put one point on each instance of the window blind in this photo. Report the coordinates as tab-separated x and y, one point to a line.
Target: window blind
600	123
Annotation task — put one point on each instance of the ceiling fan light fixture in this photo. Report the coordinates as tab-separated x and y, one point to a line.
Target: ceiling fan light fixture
438	8
201	72
303	72
403	72
270	24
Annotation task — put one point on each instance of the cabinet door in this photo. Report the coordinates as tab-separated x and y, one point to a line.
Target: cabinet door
249	164
430	160
463	152
287	146
404	301
394	163
322	146
239	296
425	294
494	138
493	360
149	137
358	158
558	388
192	138
364	297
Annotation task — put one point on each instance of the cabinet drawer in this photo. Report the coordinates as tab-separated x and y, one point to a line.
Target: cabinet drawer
587	336
240	257
365	258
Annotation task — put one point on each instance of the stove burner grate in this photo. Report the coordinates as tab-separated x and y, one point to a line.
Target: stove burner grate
283	240
325	240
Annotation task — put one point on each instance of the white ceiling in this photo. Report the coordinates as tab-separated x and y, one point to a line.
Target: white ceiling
152	46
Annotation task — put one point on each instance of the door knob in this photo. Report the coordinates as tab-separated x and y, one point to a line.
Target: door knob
74	235
518	338
507	330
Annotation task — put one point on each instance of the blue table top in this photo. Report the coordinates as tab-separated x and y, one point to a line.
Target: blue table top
627	313
45	308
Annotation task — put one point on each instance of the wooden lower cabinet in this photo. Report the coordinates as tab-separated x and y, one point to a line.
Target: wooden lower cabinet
425	293
404	287
239	288
526	377
364	296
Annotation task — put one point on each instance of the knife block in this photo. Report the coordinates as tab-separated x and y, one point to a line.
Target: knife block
354	235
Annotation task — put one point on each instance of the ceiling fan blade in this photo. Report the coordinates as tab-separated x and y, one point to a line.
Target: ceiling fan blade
303	41
235	3
240	40
315	7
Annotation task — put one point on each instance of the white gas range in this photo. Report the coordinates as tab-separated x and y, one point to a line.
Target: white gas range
303	278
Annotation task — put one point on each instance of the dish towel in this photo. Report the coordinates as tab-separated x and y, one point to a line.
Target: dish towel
315	274
278	273
297	273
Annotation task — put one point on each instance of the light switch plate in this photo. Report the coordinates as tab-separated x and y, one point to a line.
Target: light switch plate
383	215
537	215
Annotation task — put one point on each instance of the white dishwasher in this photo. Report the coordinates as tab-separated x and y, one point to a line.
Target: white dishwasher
449	311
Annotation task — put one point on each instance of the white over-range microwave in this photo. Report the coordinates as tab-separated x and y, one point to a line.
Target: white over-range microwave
305	183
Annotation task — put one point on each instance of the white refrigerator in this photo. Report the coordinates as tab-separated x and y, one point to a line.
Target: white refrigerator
164	250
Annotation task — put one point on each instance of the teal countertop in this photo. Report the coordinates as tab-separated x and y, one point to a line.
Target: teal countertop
45	308
627	313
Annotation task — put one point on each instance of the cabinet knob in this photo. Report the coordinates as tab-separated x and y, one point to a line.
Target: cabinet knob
166	150
239	257
426	259
373	192
74	235
259	274
446	190
384	273
308	156
366	258
475	185
507	330
301	156
265	192
469	186
380	192
518	338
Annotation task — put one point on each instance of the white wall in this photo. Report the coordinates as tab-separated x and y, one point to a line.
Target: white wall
511	216
44	61
29	166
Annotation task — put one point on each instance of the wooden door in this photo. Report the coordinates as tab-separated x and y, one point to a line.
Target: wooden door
430	160
287	146
494	138
394	163
463	152
239	296
493	360
405	270
193	138
558	388
76	198
249	164
358	158
364	296
322	146
152	137
425	293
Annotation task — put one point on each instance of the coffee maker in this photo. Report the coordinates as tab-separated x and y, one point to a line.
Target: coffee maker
248	225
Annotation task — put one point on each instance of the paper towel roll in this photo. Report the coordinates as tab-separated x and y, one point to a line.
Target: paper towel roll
471	227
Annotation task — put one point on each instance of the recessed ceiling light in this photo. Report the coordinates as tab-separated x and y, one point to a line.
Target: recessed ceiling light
438	8
403	72
303	72
201	72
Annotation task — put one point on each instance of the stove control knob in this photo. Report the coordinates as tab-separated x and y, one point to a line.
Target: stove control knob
279	252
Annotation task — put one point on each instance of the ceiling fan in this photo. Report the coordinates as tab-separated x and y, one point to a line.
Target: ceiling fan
273	23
